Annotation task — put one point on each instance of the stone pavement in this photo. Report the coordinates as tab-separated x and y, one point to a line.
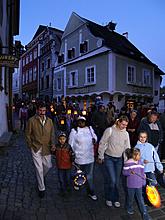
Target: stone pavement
19	199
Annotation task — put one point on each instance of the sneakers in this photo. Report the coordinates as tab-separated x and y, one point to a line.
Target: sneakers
117	204
93	197
108	203
130	212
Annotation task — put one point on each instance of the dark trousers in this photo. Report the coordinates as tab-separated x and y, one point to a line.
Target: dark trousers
64	177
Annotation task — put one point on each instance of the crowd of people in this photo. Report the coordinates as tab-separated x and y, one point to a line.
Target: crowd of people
129	142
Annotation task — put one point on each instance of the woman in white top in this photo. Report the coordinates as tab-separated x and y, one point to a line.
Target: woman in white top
81	141
111	147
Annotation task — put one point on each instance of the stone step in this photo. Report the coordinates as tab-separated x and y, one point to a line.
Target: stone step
5	139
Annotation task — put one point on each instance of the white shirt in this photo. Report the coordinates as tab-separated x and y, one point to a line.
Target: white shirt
81	143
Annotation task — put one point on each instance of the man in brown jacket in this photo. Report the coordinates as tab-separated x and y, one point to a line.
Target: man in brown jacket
40	139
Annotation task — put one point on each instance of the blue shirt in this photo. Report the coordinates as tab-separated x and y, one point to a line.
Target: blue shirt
149	153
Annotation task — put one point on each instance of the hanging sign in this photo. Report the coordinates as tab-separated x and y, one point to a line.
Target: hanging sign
9	61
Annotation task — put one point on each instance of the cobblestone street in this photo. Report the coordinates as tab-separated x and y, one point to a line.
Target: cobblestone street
19	199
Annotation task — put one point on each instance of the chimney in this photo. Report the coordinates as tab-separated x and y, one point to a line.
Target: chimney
111	26
125	34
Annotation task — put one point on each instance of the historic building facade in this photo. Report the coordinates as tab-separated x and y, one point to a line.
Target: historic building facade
96	60
9	27
38	63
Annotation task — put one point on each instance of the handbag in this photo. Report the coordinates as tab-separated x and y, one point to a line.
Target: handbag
95	144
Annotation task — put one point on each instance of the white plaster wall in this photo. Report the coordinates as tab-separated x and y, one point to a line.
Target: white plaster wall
3	115
3	97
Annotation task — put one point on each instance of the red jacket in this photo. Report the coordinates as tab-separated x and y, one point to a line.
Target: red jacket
64	156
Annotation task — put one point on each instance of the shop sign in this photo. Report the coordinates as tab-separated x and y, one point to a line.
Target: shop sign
9	61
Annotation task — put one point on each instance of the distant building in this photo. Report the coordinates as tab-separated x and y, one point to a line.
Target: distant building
38	63
16	84
96	60
9	27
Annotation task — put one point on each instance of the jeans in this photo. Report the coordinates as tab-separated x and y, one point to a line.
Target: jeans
132	192
88	169
112	172
64	177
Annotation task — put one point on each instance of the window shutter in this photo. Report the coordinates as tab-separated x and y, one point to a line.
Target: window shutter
76	78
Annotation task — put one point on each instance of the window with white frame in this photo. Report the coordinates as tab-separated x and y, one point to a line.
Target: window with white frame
23	62
34	73
71	53
27	59
23	79
146	77
35	53
84	47
59	84
27	76
73	78
30	74
30	57
90	75
131	74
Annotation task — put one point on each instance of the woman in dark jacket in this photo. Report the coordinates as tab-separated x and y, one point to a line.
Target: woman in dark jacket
132	127
152	126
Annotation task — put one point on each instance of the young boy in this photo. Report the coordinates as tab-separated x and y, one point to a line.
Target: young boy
64	158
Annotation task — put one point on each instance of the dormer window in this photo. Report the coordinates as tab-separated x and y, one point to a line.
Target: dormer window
84	47
71	53
61	58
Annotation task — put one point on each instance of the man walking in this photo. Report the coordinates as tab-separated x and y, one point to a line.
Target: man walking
40	139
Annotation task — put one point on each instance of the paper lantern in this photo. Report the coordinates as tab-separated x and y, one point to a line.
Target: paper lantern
62	122
69	111
153	196
84	112
80	178
75	112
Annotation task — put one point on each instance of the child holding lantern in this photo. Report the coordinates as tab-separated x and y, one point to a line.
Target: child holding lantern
134	171
149	157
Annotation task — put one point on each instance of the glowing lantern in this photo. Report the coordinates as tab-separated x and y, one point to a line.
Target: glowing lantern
84	112
80	178
62	122
69	111
153	196
75	112
55	112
